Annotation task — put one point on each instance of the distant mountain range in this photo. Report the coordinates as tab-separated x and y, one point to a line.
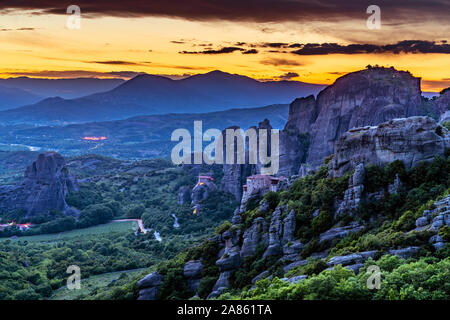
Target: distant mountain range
64	88
150	94
16	97
137	137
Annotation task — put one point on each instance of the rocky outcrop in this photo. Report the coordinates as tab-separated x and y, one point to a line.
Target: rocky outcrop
404	253
45	186
201	191
396	186
254	235
340	232
192	273
294	265
149	286
442	104
236	219
445	117
364	98
353	195
230	260
410	140
222	283
184	195
233	174
275	231
434	219
294	139
262	275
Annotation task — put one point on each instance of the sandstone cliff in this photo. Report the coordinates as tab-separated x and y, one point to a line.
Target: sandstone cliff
364	98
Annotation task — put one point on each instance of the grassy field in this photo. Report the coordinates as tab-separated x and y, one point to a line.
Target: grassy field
122	226
90	285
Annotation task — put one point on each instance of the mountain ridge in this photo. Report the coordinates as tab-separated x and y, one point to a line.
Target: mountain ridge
151	94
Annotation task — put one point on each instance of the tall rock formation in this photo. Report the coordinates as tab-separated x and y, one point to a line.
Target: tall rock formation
442	105
364	98
45	186
234	174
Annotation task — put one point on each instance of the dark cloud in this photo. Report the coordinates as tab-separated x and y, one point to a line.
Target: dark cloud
288	76
241	10
275	45
407	46
218	51
121	63
280	62
18	29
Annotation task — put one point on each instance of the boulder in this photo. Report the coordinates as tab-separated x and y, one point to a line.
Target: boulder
439	245
193	284
355	267
151	280
223	281
260	276
148	294
193	269
149	286
422	222
230	261
216	293
346	260
436	238
340	232
404	252
292	248
295	279
294	265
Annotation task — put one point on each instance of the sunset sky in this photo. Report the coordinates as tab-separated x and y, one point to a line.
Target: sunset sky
311	41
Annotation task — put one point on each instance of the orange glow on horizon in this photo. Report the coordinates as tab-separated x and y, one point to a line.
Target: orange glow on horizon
110	47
